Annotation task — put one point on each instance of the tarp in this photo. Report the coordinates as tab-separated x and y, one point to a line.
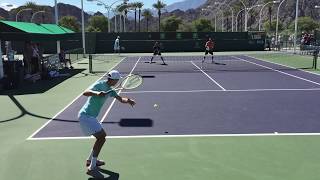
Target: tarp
23	31
37	28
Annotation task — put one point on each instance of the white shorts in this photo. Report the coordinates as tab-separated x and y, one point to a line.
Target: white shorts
89	125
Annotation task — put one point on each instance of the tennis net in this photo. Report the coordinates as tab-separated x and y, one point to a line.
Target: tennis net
99	63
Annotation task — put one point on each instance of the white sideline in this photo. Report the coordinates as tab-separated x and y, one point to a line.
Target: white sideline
30	137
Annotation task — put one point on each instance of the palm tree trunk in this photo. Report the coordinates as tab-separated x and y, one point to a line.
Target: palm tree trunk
139	18
159	13
135	20
147	24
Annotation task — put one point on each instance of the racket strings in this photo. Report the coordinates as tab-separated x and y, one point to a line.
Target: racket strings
131	82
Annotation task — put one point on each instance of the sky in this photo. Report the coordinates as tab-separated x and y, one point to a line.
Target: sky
88	6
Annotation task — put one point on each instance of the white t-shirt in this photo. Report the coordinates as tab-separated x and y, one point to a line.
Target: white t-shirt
116	44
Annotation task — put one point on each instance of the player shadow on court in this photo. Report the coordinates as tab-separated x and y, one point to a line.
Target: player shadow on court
110	175
132	122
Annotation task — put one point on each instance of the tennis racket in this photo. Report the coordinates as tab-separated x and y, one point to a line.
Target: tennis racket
131	81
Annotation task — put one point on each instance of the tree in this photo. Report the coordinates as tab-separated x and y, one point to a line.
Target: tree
171	24
134	6
186	27
31	5
98	24
159	6
272	29
70	22
147	14
306	24
139	6
203	25
123	9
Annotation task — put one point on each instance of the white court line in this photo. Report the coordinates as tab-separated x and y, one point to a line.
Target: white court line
236	90
208	76
182	136
283	65
307	80
70	103
114	100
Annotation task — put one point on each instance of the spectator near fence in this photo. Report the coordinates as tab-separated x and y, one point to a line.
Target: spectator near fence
64	60
35	59
27	54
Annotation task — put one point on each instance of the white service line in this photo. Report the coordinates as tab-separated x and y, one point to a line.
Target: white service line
307	80
218	90
208	76
183	136
70	103
114	100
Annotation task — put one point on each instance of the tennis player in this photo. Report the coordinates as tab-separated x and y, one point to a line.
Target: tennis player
88	117
209	46
116	46
157	52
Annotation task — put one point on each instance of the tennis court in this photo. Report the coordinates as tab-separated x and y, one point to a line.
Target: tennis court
243	96
247	119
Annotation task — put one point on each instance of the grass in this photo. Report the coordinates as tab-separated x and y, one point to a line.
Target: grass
292	60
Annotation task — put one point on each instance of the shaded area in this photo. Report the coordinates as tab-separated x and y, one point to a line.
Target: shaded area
42	85
110	175
24	112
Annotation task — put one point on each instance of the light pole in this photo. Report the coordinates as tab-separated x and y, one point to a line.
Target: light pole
27	9
122	15
36	14
277	25
232	12
296	27
56	17
83	32
109	8
250	8
215	18
260	14
1	64
245	16
237	19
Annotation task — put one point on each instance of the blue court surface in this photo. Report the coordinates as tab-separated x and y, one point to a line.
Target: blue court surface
245	96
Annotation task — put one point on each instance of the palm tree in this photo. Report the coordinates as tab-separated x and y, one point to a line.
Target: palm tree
159	6
139	5
134	6
122	8
147	14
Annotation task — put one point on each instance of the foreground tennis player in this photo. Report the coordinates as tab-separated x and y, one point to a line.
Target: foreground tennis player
89	112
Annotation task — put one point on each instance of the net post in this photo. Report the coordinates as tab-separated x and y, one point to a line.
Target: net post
315	57
90	63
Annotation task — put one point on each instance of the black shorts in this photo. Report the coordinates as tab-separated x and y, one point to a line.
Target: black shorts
157	53
209	52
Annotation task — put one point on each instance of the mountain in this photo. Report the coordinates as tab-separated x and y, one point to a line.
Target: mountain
4	13
185	5
48	17
287	13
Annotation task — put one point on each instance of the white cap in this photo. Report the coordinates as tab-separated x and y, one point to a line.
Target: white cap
114	74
